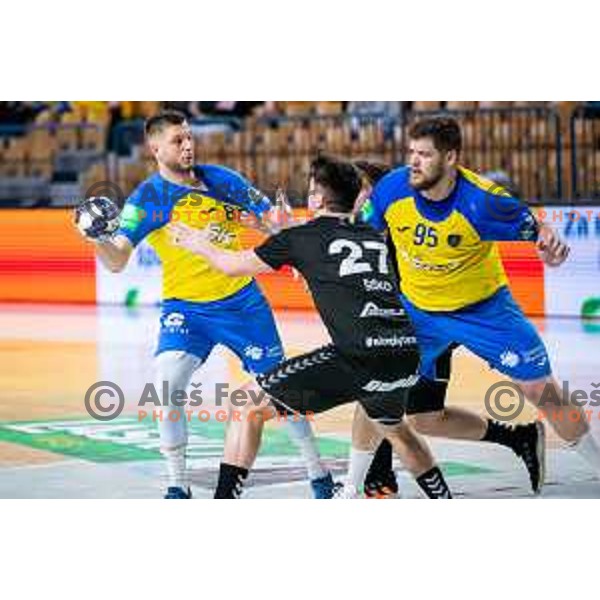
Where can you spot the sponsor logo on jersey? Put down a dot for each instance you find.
(367, 211)
(392, 342)
(390, 386)
(221, 235)
(420, 265)
(372, 310)
(274, 351)
(175, 323)
(537, 355)
(377, 285)
(174, 320)
(131, 217)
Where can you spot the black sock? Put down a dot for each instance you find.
(231, 481)
(434, 485)
(499, 433)
(381, 464)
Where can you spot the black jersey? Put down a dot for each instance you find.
(349, 273)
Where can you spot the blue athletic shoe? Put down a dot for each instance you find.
(323, 487)
(177, 493)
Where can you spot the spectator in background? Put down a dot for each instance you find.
(19, 113)
(393, 110)
(391, 113)
(591, 109)
(230, 108)
(188, 107)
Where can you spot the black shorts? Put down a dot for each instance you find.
(430, 396)
(326, 378)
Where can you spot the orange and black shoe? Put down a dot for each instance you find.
(382, 490)
(381, 482)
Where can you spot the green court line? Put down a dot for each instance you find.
(276, 442)
(79, 446)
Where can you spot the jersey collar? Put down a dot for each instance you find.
(441, 209)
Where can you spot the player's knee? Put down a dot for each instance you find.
(427, 423)
(250, 411)
(535, 390)
(175, 368)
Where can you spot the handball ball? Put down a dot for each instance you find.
(97, 217)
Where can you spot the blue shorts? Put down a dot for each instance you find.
(243, 323)
(495, 329)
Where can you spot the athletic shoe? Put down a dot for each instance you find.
(378, 490)
(380, 481)
(178, 493)
(322, 487)
(530, 447)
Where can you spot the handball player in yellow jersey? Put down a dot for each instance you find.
(201, 306)
(444, 221)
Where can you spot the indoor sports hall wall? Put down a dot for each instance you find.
(43, 259)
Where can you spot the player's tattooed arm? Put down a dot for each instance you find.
(231, 262)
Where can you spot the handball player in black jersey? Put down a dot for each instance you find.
(373, 357)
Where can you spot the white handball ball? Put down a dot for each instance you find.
(97, 217)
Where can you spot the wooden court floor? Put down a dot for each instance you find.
(50, 355)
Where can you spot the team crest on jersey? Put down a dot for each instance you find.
(454, 240)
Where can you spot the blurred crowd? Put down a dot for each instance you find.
(107, 112)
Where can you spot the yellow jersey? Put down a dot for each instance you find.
(157, 202)
(446, 251)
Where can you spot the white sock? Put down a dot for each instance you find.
(360, 461)
(176, 467)
(303, 437)
(589, 450)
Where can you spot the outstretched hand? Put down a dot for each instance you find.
(281, 215)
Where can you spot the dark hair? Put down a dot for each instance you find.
(372, 170)
(340, 178)
(162, 119)
(444, 132)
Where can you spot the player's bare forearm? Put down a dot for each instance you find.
(114, 253)
(234, 263)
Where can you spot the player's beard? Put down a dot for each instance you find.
(182, 166)
(426, 183)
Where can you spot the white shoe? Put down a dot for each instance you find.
(345, 491)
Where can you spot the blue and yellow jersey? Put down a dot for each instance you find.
(156, 202)
(446, 251)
